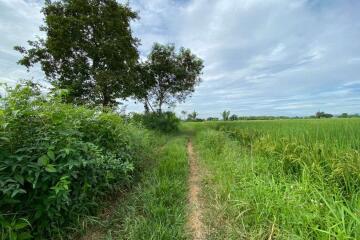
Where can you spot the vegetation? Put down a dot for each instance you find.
(289, 179)
(323, 115)
(165, 122)
(58, 161)
(192, 116)
(88, 50)
(64, 152)
(157, 207)
(212, 119)
(171, 77)
(233, 117)
(225, 115)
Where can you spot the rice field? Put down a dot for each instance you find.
(281, 179)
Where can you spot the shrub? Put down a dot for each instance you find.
(57, 160)
(165, 122)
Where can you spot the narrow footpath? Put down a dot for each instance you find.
(195, 224)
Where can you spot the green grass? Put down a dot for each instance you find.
(156, 207)
(284, 179)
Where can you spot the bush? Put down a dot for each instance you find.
(165, 122)
(57, 160)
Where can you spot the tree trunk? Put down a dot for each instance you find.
(146, 107)
(106, 100)
(160, 104)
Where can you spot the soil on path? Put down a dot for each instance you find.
(194, 221)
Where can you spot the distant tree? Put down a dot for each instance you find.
(233, 117)
(192, 116)
(225, 115)
(344, 115)
(88, 49)
(174, 74)
(212, 119)
(318, 114)
(323, 115)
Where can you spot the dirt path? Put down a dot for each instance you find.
(194, 221)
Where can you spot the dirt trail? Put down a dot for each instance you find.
(194, 221)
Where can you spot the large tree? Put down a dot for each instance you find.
(171, 76)
(89, 49)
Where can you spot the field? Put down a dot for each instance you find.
(282, 179)
(70, 172)
(279, 179)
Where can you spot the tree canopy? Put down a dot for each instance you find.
(171, 76)
(225, 115)
(89, 49)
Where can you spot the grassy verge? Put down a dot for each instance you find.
(156, 207)
(253, 196)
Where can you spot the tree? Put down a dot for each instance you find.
(344, 115)
(212, 119)
(323, 115)
(233, 117)
(144, 82)
(89, 49)
(225, 115)
(192, 116)
(173, 75)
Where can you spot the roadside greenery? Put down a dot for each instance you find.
(58, 161)
(157, 207)
(165, 122)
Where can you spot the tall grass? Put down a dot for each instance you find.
(156, 208)
(285, 179)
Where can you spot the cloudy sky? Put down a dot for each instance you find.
(273, 57)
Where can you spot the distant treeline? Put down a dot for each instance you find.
(225, 116)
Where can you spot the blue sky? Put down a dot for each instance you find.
(273, 57)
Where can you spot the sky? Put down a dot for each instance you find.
(273, 57)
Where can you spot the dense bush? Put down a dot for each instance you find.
(164, 122)
(57, 160)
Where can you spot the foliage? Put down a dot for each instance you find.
(212, 119)
(225, 115)
(347, 115)
(171, 76)
(233, 117)
(89, 49)
(166, 122)
(57, 160)
(323, 115)
(192, 116)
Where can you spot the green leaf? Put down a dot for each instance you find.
(5, 139)
(51, 155)
(50, 168)
(43, 160)
(21, 225)
(16, 191)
